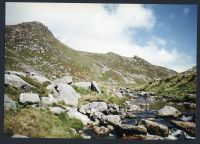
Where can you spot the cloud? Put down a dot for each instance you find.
(186, 11)
(102, 29)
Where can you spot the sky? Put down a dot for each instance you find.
(164, 35)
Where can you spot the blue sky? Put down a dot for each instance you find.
(164, 35)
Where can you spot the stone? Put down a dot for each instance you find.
(9, 103)
(169, 111)
(101, 130)
(189, 127)
(29, 98)
(56, 110)
(15, 81)
(129, 130)
(65, 93)
(155, 128)
(93, 107)
(73, 113)
(64, 80)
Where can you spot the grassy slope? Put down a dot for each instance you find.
(31, 46)
(177, 87)
(40, 124)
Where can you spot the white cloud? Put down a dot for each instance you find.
(90, 27)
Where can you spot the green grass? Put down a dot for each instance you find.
(81, 90)
(40, 124)
(176, 88)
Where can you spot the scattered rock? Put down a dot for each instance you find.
(189, 127)
(29, 98)
(155, 128)
(9, 103)
(56, 110)
(93, 107)
(169, 111)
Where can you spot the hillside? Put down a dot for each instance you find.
(32, 47)
(180, 87)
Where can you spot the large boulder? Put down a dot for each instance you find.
(15, 81)
(56, 110)
(93, 107)
(129, 130)
(64, 80)
(155, 128)
(65, 93)
(102, 131)
(169, 111)
(29, 98)
(9, 103)
(73, 113)
(189, 127)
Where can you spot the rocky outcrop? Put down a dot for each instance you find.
(155, 128)
(29, 98)
(15, 73)
(93, 107)
(169, 111)
(65, 93)
(15, 81)
(73, 113)
(189, 127)
(9, 103)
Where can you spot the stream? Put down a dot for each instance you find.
(188, 114)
